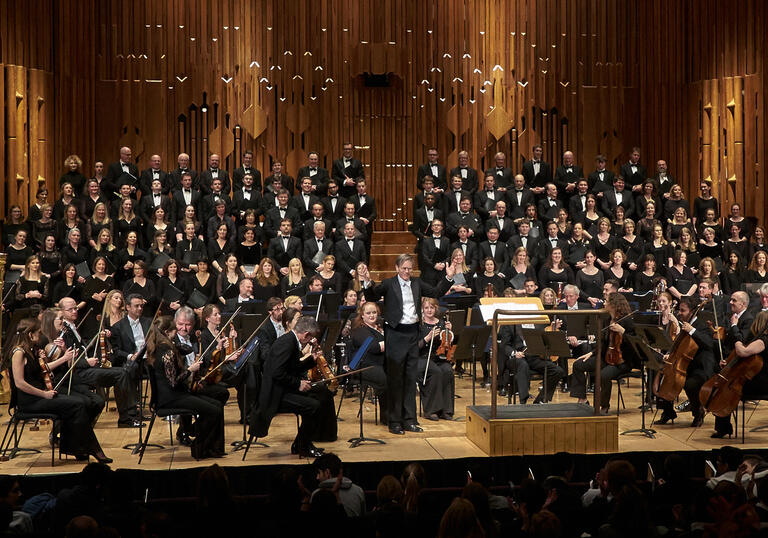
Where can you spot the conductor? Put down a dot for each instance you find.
(402, 300)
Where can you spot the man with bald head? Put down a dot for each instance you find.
(214, 172)
(468, 175)
(183, 168)
(503, 175)
(152, 173)
(567, 175)
(122, 171)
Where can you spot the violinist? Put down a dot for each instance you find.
(738, 326)
(284, 389)
(171, 374)
(215, 352)
(34, 392)
(620, 325)
(367, 323)
(438, 392)
(700, 368)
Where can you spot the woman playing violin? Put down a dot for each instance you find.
(438, 391)
(614, 344)
(35, 392)
(212, 319)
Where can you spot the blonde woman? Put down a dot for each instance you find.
(295, 282)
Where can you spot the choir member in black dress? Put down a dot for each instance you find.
(368, 324)
(578, 244)
(158, 221)
(619, 308)
(36, 210)
(67, 198)
(591, 216)
(757, 271)
(229, 279)
(649, 195)
(603, 243)
(675, 201)
(128, 256)
(18, 252)
(172, 279)
(333, 280)
(519, 263)
(555, 273)
(159, 247)
(72, 174)
(295, 282)
(660, 249)
(463, 278)
(171, 375)
(736, 242)
(590, 280)
(189, 216)
(758, 241)
(249, 251)
(50, 258)
(266, 283)
(69, 286)
(15, 223)
(438, 391)
(34, 393)
(680, 278)
(646, 279)
(250, 222)
(106, 250)
(739, 220)
(489, 277)
(98, 221)
(141, 284)
(69, 221)
(711, 246)
(732, 276)
(127, 222)
(219, 247)
(645, 225)
(704, 202)
(74, 252)
(708, 269)
(203, 281)
(618, 272)
(32, 285)
(631, 244)
(45, 225)
(190, 249)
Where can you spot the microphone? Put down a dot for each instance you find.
(54, 348)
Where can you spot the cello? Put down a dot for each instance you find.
(722, 392)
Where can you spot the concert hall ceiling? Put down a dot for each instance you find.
(683, 80)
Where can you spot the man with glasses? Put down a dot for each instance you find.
(273, 328)
(128, 341)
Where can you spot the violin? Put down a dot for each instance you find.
(321, 371)
(104, 362)
(446, 348)
(48, 378)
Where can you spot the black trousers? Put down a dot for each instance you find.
(209, 426)
(77, 435)
(437, 393)
(518, 370)
(402, 351)
(124, 379)
(218, 393)
(607, 375)
(308, 408)
(552, 374)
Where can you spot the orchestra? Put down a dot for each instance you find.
(170, 278)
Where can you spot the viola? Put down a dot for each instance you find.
(613, 354)
(446, 348)
(321, 371)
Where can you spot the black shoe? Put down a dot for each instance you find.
(397, 429)
(723, 433)
(101, 458)
(698, 419)
(81, 457)
(415, 428)
(183, 438)
(53, 440)
(310, 452)
(502, 392)
(433, 416)
(666, 417)
(129, 424)
(445, 416)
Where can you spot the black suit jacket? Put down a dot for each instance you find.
(469, 183)
(547, 211)
(332, 214)
(240, 205)
(281, 255)
(596, 185)
(545, 247)
(267, 336)
(208, 205)
(501, 257)
(536, 180)
(206, 181)
(506, 228)
(517, 210)
(471, 254)
(297, 202)
(627, 201)
(147, 206)
(390, 291)
(440, 182)
(147, 177)
(421, 223)
(175, 178)
(272, 221)
(632, 179)
(115, 174)
(429, 255)
(564, 175)
(179, 205)
(483, 204)
(367, 211)
(359, 226)
(308, 228)
(418, 200)
(574, 206)
(237, 178)
(470, 220)
(285, 180)
(449, 201)
(347, 259)
(320, 180)
(531, 246)
(353, 171)
(122, 339)
(310, 251)
(505, 177)
(663, 188)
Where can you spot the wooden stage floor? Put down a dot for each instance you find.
(440, 440)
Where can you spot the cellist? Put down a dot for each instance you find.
(738, 334)
(699, 369)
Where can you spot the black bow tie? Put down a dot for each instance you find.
(492, 244)
(313, 169)
(188, 191)
(334, 197)
(536, 162)
(247, 190)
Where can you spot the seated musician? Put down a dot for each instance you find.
(273, 328)
(627, 360)
(34, 393)
(367, 323)
(438, 392)
(511, 362)
(737, 336)
(700, 368)
(171, 375)
(214, 353)
(284, 389)
(579, 344)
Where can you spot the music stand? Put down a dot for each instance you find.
(546, 344)
(655, 337)
(253, 346)
(458, 301)
(353, 364)
(472, 338)
(647, 355)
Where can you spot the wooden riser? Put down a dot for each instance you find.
(542, 434)
(393, 237)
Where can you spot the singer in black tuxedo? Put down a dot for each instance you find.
(402, 312)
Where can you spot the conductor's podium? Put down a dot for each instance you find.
(521, 430)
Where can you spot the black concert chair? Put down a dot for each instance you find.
(162, 412)
(13, 433)
(621, 380)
